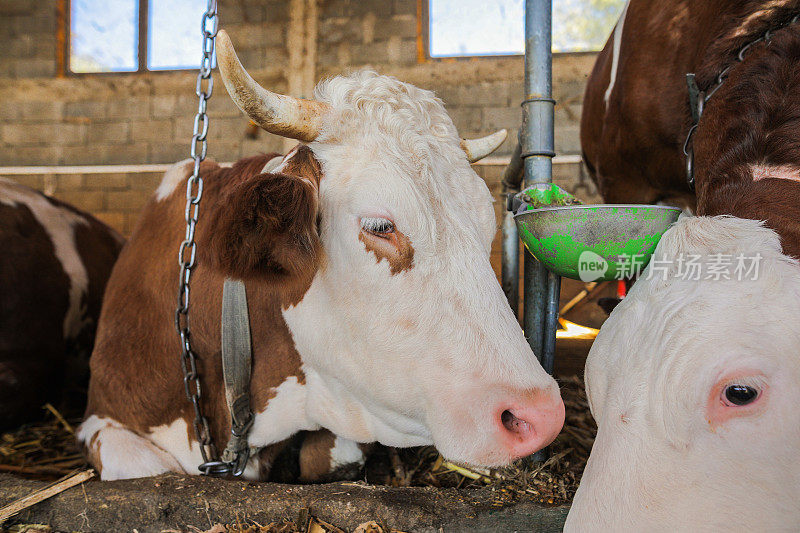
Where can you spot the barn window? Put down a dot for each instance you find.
(481, 28)
(134, 35)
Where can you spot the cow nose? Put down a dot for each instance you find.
(532, 425)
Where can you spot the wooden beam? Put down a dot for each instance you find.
(42, 494)
(62, 20)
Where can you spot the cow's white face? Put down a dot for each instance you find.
(405, 333)
(694, 386)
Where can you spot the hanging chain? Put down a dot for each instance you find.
(698, 98)
(187, 253)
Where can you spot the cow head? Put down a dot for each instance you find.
(693, 383)
(405, 334)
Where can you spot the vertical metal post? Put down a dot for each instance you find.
(512, 178)
(541, 289)
(144, 22)
(510, 267)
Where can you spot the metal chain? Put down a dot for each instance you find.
(187, 252)
(698, 99)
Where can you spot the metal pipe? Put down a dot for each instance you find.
(541, 288)
(551, 322)
(512, 178)
(537, 144)
(510, 262)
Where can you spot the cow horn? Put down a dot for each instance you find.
(477, 149)
(279, 114)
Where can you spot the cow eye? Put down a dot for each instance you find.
(377, 226)
(740, 394)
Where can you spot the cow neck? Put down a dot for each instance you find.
(699, 98)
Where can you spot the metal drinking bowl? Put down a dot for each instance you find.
(595, 242)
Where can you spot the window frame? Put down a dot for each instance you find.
(143, 24)
(423, 38)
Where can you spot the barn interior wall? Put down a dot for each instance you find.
(47, 118)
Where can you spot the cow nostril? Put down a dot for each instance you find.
(514, 424)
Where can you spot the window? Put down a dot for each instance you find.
(497, 27)
(134, 35)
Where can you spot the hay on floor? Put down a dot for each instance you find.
(47, 450)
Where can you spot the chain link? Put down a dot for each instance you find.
(766, 37)
(187, 252)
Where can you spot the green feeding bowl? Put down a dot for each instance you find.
(594, 242)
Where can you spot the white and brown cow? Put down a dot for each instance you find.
(694, 387)
(693, 378)
(54, 265)
(375, 312)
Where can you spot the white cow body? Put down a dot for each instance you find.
(672, 452)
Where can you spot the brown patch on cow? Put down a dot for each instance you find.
(304, 165)
(37, 364)
(94, 457)
(316, 463)
(632, 147)
(315, 455)
(395, 247)
(754, 123)
(136, 332)
(743, 25)
(266, 458)
(35, 292)
(91, 451)
(265, 225)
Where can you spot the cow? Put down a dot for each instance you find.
(636, 114)
(54, 266)
(693, 384)
(691, 379)
(375, 313)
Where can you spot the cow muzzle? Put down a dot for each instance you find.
(496, 429)
(528, 425)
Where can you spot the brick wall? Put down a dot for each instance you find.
(146, 118)
(28, 29)
(286, 45)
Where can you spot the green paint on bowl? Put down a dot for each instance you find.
(546, 195)
(595, 242)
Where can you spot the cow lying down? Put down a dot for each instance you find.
(694, 386)
(374, 310)
(54, 265)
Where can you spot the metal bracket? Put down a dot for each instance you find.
(538, 99)
(697, 101)
(694, 95)
(237, 355)
(543, 153)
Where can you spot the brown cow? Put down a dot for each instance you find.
(374, 310)
(54, 266)
(636, 112)
(693, 378)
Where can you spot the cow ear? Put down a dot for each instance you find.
(265, 226)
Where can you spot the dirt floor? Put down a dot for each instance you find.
(191, 503)
(404, 490)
